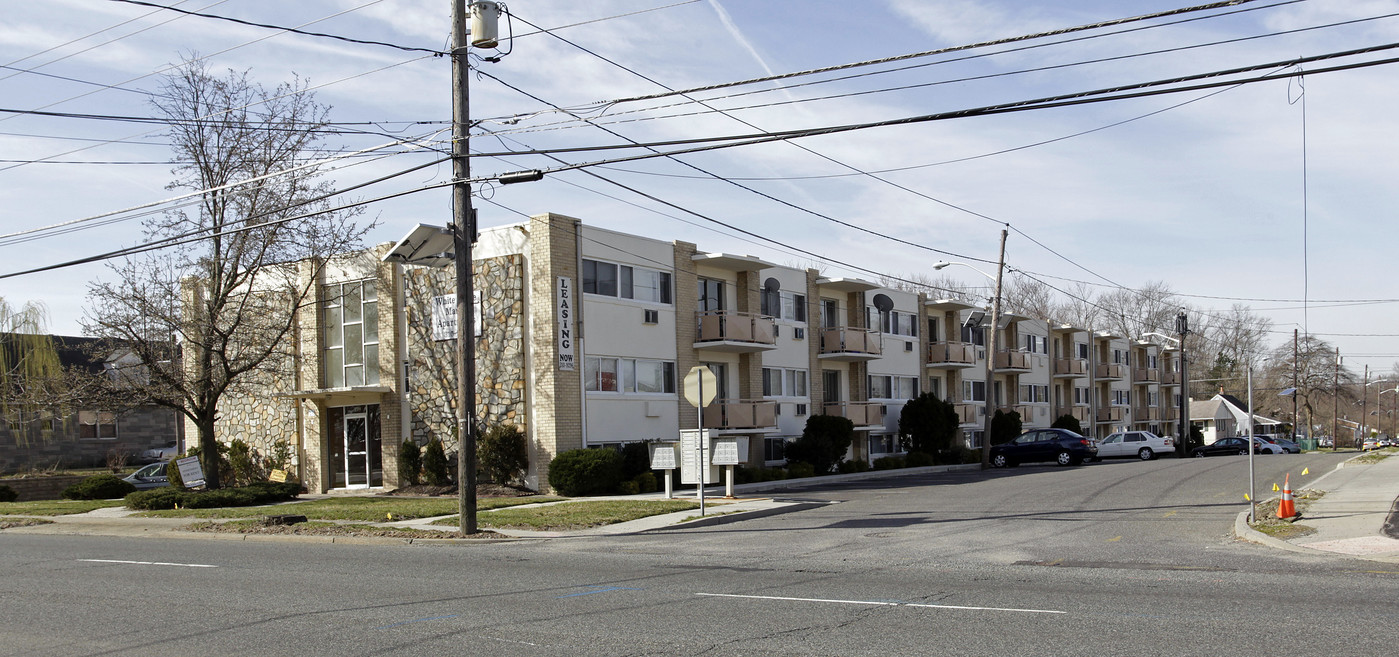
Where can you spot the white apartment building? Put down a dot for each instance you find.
(584, 334)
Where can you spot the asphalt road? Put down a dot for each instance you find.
(1116, 558)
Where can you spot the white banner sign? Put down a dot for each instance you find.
(444, 316)
(564, 301)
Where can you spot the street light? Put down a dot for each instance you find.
(1183, 422)
(990, 345)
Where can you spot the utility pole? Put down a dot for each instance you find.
(1335, 397)
(991, 400)
(464, 235)
(1295, 391)
(1365, 405)
(1183, 328)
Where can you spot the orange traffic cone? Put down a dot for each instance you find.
(1287, 509)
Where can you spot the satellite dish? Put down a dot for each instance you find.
(974, 319)
(883, 303)
(771, 285)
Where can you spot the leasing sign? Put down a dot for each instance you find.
(564, 304)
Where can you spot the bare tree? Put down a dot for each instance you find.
(205, 318)
(1321, 385)
(1080, 308)
(1130, 313)
(1026, 296)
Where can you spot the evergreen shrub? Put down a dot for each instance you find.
(410, 463)
(435, 464)
(581, 472)
(98, 487)
(502, 453)
(7, 494)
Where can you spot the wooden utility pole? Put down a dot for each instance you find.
(464, 233)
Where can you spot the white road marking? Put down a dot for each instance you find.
(882, 603)
(151, 563)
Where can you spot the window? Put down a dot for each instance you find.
(711, 295)
(935, 386)
(784, 305)
(975, 335)
(779, 382)
(1082, 349)
(351, 335)
(882, 444)
(1122, 398)
(97, 425)
(626, 282)
(1081, 395)
(974, 391)
(774, 449)
(628, 375)
(893, 322)
(1152, 398)
(1036, 344)
(830, 313)
(1034, 394)
(974, 439)
(932, 329)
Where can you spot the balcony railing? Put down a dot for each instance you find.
(1146, 414)
(1070, 367)
(1146, 375)
(849, 343)
(740, 414)
(1013, 360)
(1112, 414)
(726, 330)
(1027, 412)
(967, 413)
(1081, 413)
(1111, 371)
(861, 414)
(1170, 378)
(1170, 414)
(951, 354)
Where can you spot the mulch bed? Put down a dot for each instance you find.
(23, 522)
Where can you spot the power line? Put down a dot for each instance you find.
(291, 29)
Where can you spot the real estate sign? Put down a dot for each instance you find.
(564, 303)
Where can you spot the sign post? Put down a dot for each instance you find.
(700, 388)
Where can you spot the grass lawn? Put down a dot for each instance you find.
(54, 507)
(362, 509)
(576, 515)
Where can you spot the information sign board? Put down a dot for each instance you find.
(191, 473)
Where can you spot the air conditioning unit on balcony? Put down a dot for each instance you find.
(908, 346)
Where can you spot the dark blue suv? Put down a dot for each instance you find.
(1060, 445)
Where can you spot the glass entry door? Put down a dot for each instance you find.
(356, 450)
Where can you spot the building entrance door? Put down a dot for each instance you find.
(356, 457)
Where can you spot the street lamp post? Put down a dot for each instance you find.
(990, 346)
(1182, 422)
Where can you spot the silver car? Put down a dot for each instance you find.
(148, 477)
(1135, 444)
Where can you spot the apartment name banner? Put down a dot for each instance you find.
(444, 316)
(563, 304)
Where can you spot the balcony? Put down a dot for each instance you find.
(1112, 414)
(968, 413)
(740, 414)
(1170, 378)
(1080, 412)
(1146, 414)
(861, 414)
(847, 343)
(951, 355)
(1169, 414)
(1146, 375)
(1111, 372)
(1026, 411)
(1070, 368)
(735, 332)
(1012, 361)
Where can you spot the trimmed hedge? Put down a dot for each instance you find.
(99, 487)
(586, 472)
(250, 495)
(7, 494)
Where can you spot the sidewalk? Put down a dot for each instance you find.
(1349, 519)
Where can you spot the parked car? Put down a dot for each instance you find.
(1287, 446)
(149, 476)
(163, 453)
(1060, 445)
(1135, 444)
(1235, 445)
(1369, 444)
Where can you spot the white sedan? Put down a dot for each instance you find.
(1139, 444)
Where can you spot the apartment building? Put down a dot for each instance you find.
(584, 334)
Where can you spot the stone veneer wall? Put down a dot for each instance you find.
(500, 363)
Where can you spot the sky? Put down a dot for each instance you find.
(1278, 195)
